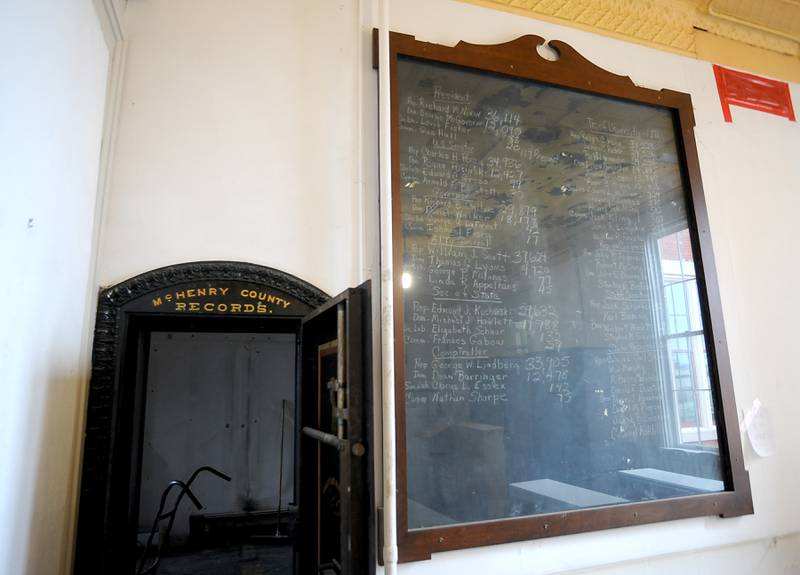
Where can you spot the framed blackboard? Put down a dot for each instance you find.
(560, 354)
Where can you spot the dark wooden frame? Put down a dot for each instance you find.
(519, 58)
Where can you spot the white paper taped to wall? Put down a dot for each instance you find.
(757, 424)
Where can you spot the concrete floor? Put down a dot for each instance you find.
(245, 559)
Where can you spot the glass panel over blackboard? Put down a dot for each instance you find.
(554, 347)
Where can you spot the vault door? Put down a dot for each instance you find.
(335, 456)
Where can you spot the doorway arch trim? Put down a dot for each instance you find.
(106, 425)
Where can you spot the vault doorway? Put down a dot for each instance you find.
(217, 439)
(219, 406)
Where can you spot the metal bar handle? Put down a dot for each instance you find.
(326, 438)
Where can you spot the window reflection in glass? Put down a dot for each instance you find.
(689, 382)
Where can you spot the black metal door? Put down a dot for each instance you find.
(335, 456)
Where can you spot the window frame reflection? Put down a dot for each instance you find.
(686, 379)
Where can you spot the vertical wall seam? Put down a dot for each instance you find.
(361, 233)
(114, 84)
(387, 302)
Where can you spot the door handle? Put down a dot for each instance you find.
(326, 438)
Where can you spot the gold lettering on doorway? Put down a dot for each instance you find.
(265, 296)
(220, 299)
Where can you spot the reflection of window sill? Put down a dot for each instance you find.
(563, 495)
(694, 449)
(690, 434)
(690, 483)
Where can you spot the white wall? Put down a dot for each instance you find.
(53, 63)
(237, 139)
(761, 557)
(242, 134)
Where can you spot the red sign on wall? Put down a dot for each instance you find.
(754, 92)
